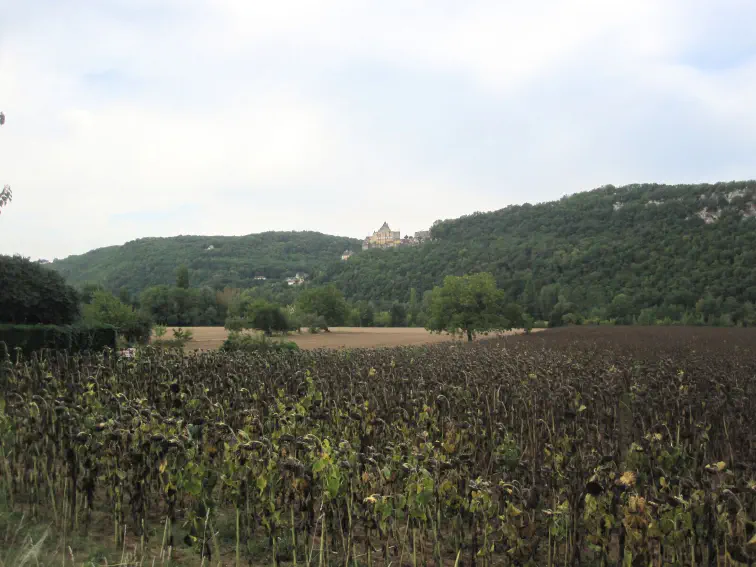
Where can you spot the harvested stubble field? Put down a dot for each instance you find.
(211, 338)
(605, 446)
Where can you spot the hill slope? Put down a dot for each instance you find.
(232, 261)
(661, 246)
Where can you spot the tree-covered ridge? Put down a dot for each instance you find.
(660, 247)
(215, 261)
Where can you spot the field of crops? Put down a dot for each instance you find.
(602, 446)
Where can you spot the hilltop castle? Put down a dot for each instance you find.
(384, 237)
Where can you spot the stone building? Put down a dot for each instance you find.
(384, 237)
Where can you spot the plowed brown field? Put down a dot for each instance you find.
(210, 338)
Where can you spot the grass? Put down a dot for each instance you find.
(27, 542)
(37, 542)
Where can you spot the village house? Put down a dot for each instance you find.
(298, 279)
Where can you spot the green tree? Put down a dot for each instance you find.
(414, 309)
(87, 291)
(749, 314)
(382, 319)
(327, 302)
(647, 317)
(266, 317)
(513, 315)
(367, 314)
(467, 304)
(621, 309)
(124, 295)
(398, 314)
(32, 294)
(106, 309)
(175, 306)
(182, 277)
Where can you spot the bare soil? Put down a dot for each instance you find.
(210, 338)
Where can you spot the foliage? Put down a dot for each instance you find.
(468, 305)
(366, 314)
(249, 311)
(398, 313)
(314, 323)
(176, 306)
(182, 277)
(185, 335)
(87, 291)
(266, 317)
(106, 309)
(382, 319)
(662, 247)
(233, 261)
(31, 294)
(588, 446)
(235, 323)
(181, 337)
(326, 302)
(72, 338)
(6, 196)
(242, 342)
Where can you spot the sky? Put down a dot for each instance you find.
(135, 118)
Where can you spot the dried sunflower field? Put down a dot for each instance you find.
(620, 446)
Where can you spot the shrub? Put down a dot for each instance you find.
(239, 342)
(234, 323)
(382, 319)
(180, 338)
(73, 338)
(138, 329)
(314, 323)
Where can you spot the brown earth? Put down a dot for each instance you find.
(210, 338)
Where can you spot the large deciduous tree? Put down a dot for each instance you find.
(468, 305)
(104, 308)
(266, 317)
(327, 302)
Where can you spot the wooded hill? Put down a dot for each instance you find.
(669, 251)
(611, 252)
(214, 261)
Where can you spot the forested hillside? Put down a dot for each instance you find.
(637, 253)
(214, 261)
(608, 253)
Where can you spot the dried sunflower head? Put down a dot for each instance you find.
(627, 479)
(637, 504)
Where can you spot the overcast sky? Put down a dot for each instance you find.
(134, 118)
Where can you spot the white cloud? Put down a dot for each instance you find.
(230, 117)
